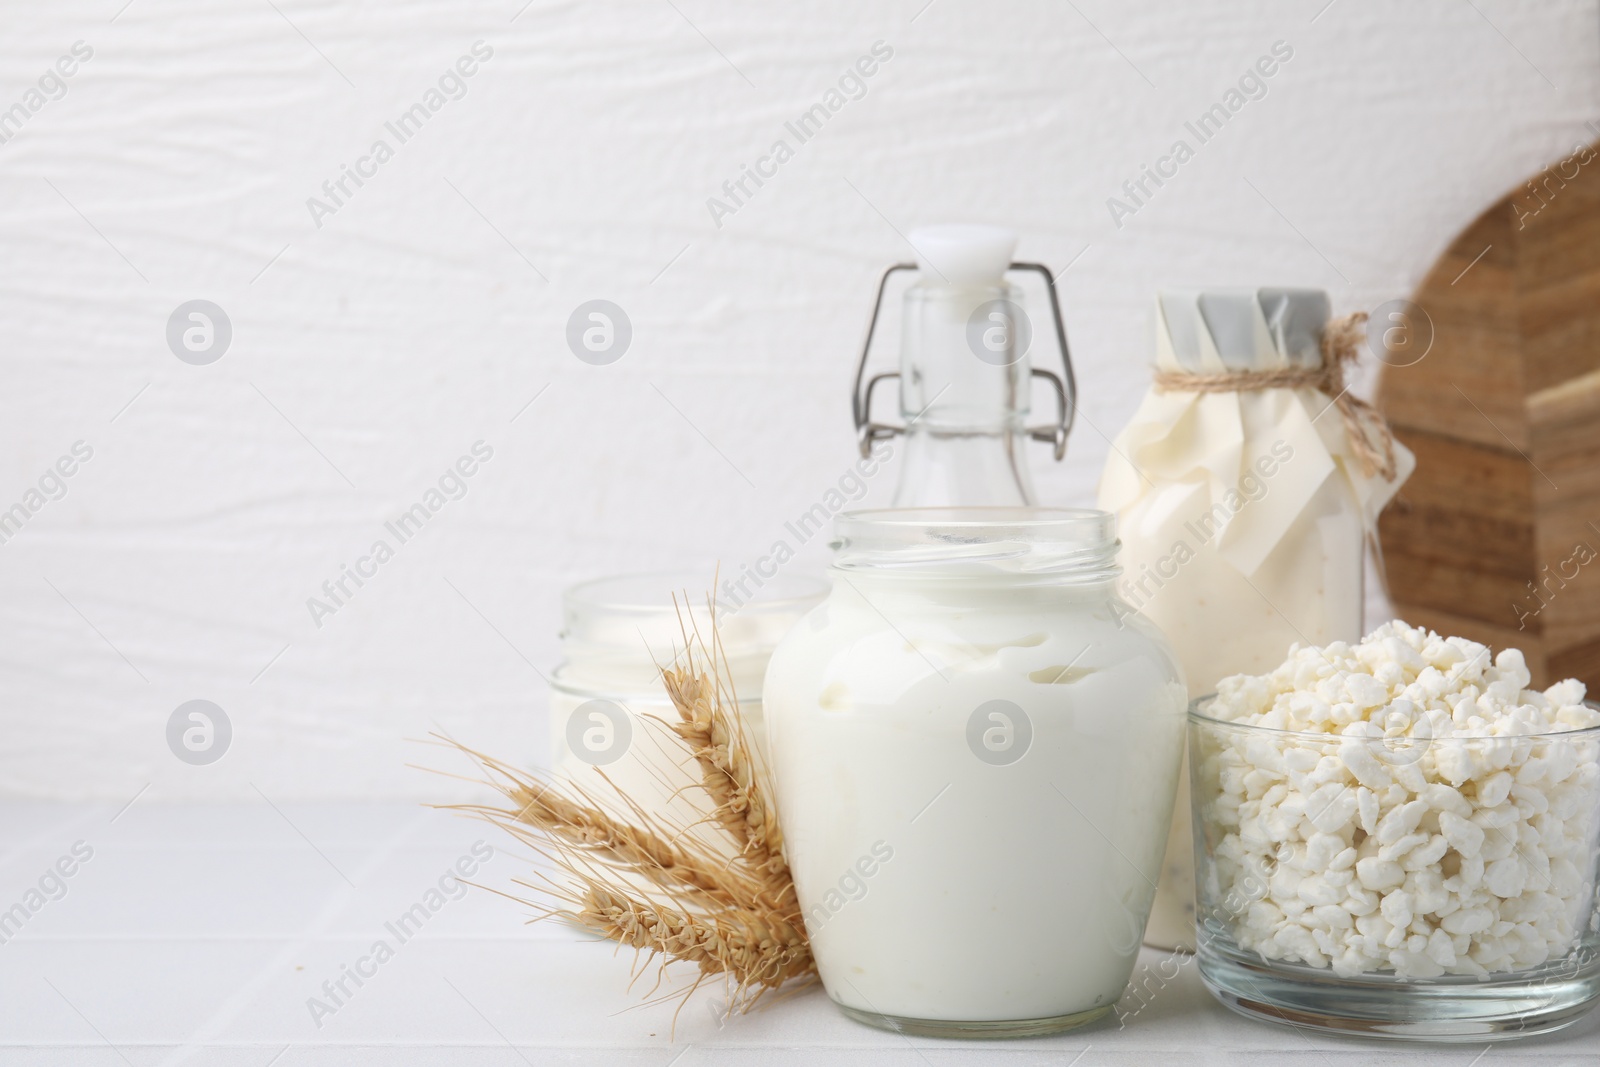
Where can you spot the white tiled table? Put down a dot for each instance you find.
(197, 934)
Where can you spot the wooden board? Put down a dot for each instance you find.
(1497, 535)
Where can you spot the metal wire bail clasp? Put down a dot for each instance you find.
(1064, 386)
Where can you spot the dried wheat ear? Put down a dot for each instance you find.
(716, 893)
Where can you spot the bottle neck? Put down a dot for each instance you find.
(950, 468)
(964, 387)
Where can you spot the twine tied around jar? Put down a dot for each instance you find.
(1368, 431)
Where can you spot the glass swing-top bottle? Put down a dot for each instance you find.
(965, 373)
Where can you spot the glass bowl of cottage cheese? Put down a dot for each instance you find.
(1398, 837)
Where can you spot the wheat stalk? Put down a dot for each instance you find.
(541, 815)
(716, 893)
(761, 953)
(710, 724)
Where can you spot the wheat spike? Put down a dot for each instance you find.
(754, 952)
(709, 724)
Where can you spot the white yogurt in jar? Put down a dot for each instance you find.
(974, 757)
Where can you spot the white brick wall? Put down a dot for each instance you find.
(371, 352)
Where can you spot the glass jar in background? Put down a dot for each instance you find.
(974, 745)
(1244, 515)
(616, 635)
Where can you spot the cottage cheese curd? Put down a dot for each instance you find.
(1401, 805)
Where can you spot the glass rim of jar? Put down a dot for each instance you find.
(1012, 543)
(561, 681)
(643, 588)
(1198, 717)
(624, 613)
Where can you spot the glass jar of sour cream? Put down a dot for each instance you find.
(974, 746)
